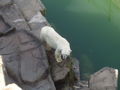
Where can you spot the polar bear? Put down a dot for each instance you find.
(57, 42)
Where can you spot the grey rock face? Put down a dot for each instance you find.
(5, 2)
(59, 71)
(84, 89)
(23, 54)
(25, 61)
(105, 79)
(76, 68)
(14, 17)
(64, 74)
(29, 8)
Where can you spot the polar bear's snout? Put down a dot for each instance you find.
(64, 57)
(65, 54)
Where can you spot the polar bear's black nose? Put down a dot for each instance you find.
(68, 57)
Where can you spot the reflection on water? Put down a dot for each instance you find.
(86, 65)
(116, 2)
(92, 27)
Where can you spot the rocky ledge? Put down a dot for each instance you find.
(28, 64)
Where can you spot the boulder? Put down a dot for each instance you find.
(84, 89)
(14, 17)
(59, 71)
(30, 8)
(5, 2)
(105, 79)
(25, 61)
(24, 55)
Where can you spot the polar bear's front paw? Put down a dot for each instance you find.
(58, 56)
(59, 60)
(65, 53)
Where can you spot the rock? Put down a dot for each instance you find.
(25, 61)
(4, 27)
(105, 79)
(5, 2)
(76, 68)
(83, 84)
(23, 54)
(85, 89)
(63, 73)
(31, 12)
(37, 21)
(42, 7)
(59, 71)
(29, 8)
(14, 17)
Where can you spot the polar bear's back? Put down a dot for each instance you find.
(49, 35)
(48, 31)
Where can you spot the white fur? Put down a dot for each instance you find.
(55, 41)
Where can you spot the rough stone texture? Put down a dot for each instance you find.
(35, 26)
(5, 2)
(84, 89)
(14, 17)
(23, 54)
(20, 14)
(105, 79)
(29, 7)
(4, 27)
(42, 7)
(58, 70)
(25, 61)
(76, 68)
(30, 10)
(65, 73)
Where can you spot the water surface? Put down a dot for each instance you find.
(93, 29)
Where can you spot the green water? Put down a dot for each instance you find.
(93, 29)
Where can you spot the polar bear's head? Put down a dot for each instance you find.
(65, 53)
